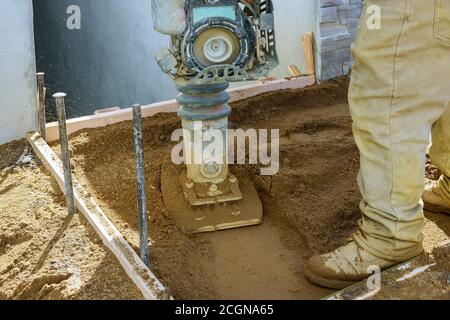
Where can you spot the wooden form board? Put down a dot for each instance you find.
(241, 93)
(150, 287)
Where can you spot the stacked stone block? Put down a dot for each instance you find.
(339, 20)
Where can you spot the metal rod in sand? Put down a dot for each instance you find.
(140, 178)
(65, 153)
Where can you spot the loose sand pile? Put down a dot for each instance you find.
(310, 207)
(44, 254)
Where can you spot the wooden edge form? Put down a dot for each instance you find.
(108, 118)
(253, 90)
(240, 93)
(150, 287)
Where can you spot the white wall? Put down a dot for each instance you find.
(17, 70)
(293, 18)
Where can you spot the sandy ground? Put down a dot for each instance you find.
(310, 207)
(44, 254)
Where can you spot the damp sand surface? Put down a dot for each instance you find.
(311, 206)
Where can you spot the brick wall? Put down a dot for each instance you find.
(339, 21)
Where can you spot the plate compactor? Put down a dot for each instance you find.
(213, 43)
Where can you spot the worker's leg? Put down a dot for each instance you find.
(399, 88)
(437, 193)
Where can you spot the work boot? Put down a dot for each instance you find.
(434, 199)
(344, 267)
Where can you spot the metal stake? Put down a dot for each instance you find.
(64, 141)
(41, 104)
(140, 178)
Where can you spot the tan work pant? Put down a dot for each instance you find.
(399, 93)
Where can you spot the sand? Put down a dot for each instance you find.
(44, 254)
(310, 207)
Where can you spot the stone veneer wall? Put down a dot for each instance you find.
(338, 23)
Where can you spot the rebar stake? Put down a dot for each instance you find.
(41, 104)
(140, 178)
(65, 153)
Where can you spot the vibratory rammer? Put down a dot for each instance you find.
(213, 43)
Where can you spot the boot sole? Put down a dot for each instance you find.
(436, 209)
(328, 283)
